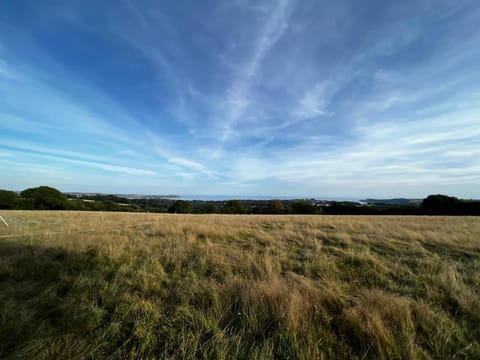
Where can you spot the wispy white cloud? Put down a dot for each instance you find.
(73, 119)
(239, 96)
(397, 153)
(142, 19)
(77, 158)
(313, 103)
(110, 167)
(7, 72)
(190, 164)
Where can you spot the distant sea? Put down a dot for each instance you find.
(253, 197)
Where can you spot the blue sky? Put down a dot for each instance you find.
(278, 98)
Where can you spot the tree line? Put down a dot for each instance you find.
(48, 198)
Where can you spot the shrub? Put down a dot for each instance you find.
(45, 198)
(8, 199)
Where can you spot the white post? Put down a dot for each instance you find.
(1, 218)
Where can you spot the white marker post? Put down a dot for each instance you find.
(3, 220)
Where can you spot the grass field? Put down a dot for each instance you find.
(80, 285)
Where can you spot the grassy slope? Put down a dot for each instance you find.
(86, 285)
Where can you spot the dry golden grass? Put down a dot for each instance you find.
(129, 285)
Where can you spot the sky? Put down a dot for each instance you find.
(371, 98)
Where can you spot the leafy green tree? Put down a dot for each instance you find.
(180, 206)
(8, 199)
(45, 198)
(109, 205)
(303, 207)
(76, 204)
(441, 204)
(208, 209)
(234, 207)
(275, 206)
